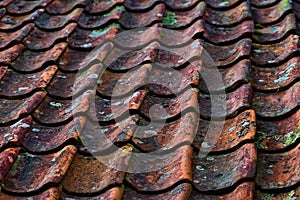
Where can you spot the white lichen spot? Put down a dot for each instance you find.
(281, 79)
(22, 89)
(231, 128)
(261, 81)
(36, 130)
(199, 168)
(93, 76)
(205, 145)
(151, 132)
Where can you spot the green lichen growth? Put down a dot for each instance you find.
(121, 8)
(55, 104)
(266, 197)
(100, 32)
(259, 26)
(285, 4)
(289, 196)
(260, 137)
(169, 19)
(258, 32)
(289, 138)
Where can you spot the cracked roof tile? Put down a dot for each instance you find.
(107, 110)
(98, 138)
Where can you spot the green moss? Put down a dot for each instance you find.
(259, 26)
(258, 32)
(285, 4)
(169, 19)
(122, 8)
(289, 196)
(100, 32)
(266, 196)
(289, 138)
(260, 137)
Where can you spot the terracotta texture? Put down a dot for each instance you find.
(80, 85)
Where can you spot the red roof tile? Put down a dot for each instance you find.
(78, 123)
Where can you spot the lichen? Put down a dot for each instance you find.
(285, 4)
(290, 195)
(266, 196)
(260, 137)
(55, 104)
(121, 8)
(169, 19)
(289, 138)
(100, 32)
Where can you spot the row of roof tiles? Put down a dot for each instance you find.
(201, 178)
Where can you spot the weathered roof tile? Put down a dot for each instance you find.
(14, 109)
(11, 22)
(222, 171)
(49, 22)
(7, 158)
(40, 40)
(31, 60)
(31, 172)
(278, 170)
(233, 132)
(22, 84)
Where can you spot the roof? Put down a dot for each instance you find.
(49, 141)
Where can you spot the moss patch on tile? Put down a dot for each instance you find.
(120, 8)
(169, 19)
(100, 32)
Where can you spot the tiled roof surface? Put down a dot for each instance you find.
(43, 153)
